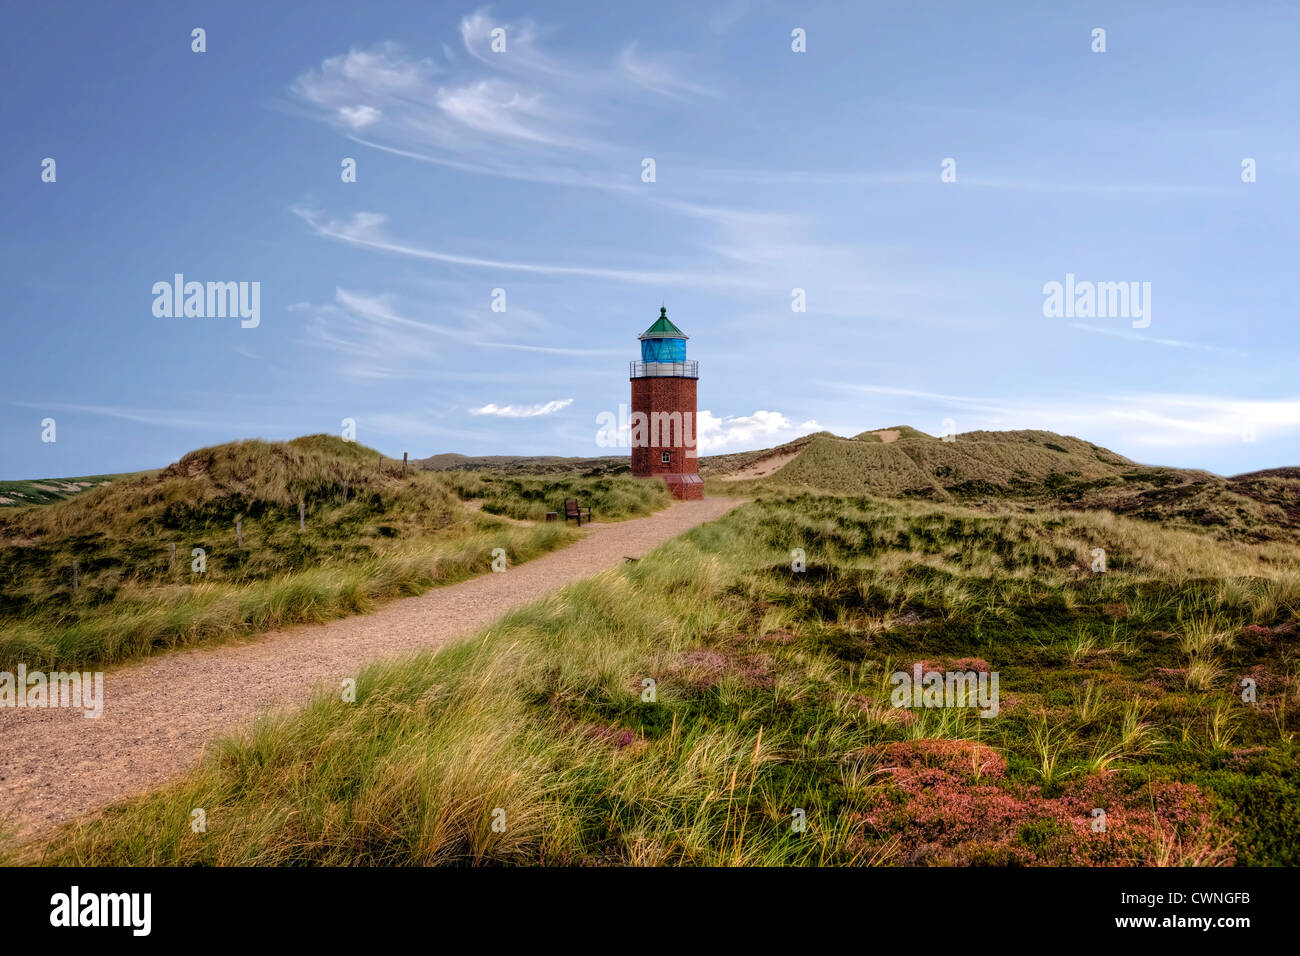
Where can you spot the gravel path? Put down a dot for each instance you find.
(56, 764)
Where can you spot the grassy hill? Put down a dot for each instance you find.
(1025, 469)
(1020, 469)
(719, 465)
(528, 464)
(893, 433)
(42, 491)
(913, 464)
(113, 572)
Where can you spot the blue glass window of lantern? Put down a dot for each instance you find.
(663, 350)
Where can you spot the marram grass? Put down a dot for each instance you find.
(143, 620)
(772, 738)
(114, 573)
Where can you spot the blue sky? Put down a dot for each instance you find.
(522, 170)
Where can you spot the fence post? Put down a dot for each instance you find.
(302, 521)
(404, 463)
(239, 531)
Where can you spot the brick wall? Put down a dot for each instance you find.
(674, 399)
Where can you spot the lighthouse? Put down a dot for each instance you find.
(663, 417)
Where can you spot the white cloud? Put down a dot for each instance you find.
(522, 411)
(1166, 420)
(762, 429)
(401, 100)
(358, 117)
(1140, 420)
(499, 110)
(381, 73)
(521, 54)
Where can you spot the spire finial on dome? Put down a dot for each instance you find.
(662, 328)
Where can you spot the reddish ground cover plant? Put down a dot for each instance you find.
(1266, 681)
(953, 801)
(703, 669)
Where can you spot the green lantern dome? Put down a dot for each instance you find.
(663, 341)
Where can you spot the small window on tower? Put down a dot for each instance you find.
(666, 457)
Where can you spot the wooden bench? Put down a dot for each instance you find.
(572, 510)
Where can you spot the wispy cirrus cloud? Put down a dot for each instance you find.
(376, 340)
(1153, 339)
(527, 115)
(522, 52)
(381, 337)
(366, 229)
(351, 89)
(661, 74)
(158, 417)
(523, 112)
(551, 349)
(506, 107)
(499, 111)
(754, 248)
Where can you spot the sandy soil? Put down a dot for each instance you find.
(887, 435)
(762, 468)
(160, 712)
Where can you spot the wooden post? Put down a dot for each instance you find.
(76, 577)
(171, 554)
(345, 492)
(302, 521)
(403, 463)
(239, 531)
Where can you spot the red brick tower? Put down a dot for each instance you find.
(663, 417)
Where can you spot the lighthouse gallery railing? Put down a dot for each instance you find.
(663, 369)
